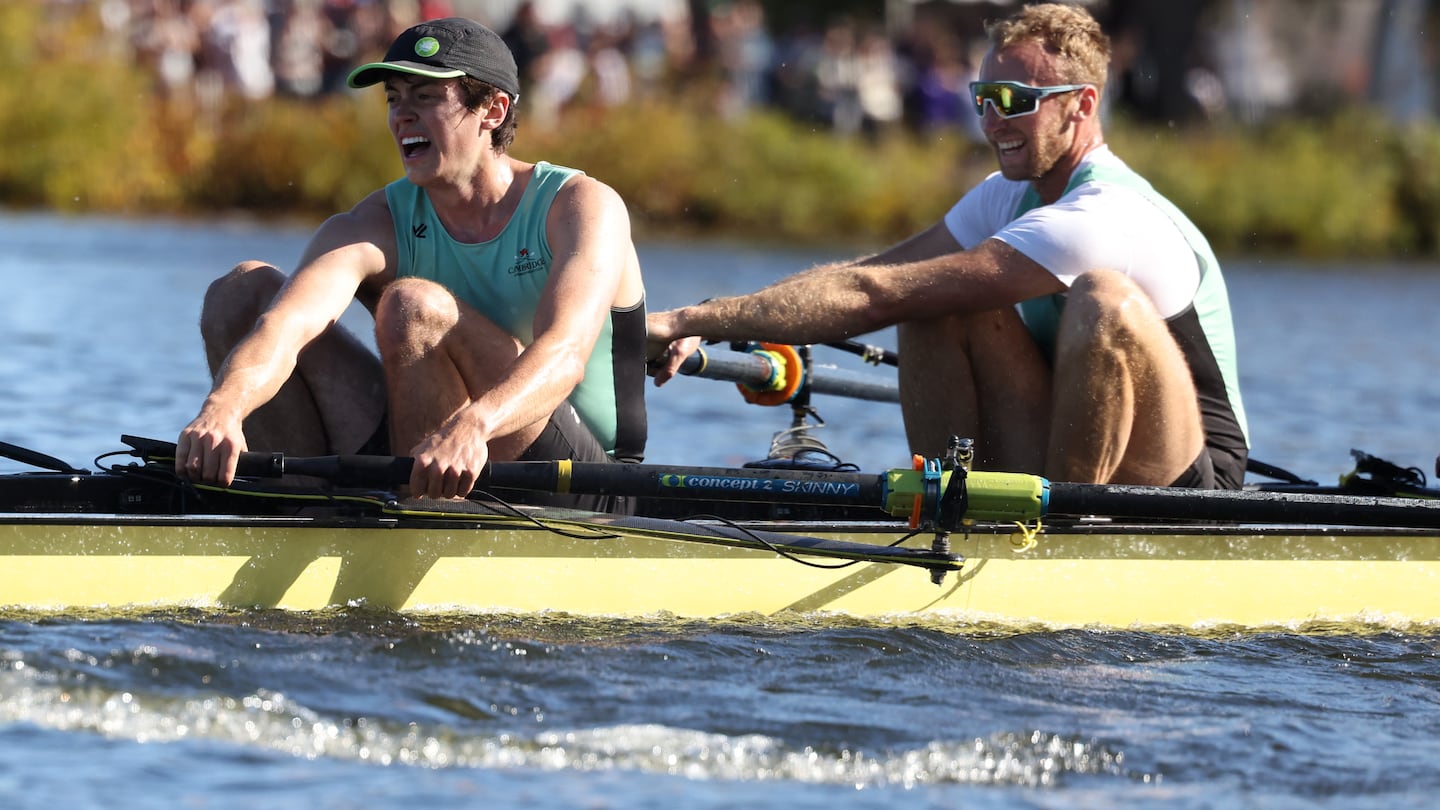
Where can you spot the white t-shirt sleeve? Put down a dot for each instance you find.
(983, 210)
(1096, 226)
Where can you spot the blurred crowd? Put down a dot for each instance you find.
(851, 74)
(907, 65)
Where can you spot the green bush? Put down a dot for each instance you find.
(287, 157)
(1312, 188)
(90, 134)
(73, 137)
(760, 176)
(1416, 153)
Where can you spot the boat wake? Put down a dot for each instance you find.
(275, 723)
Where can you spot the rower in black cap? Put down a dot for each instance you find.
(507, 296)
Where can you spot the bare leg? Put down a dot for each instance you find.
(439, 354)
(335, 398)
(937, 385)
(977, 376)
(1126, 410)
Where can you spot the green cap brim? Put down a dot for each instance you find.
(374, 72)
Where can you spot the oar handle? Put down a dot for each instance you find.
(758, 370)
(738, 367)
(345, 471)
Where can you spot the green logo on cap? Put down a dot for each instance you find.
(427, 46)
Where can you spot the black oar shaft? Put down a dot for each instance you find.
(757, 371)
(37, 459)
(1241, 506)
(992, 496)
(595, 478)
(707, 483)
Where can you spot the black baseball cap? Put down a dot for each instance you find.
(446, 49)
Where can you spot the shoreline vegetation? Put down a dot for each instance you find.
(89, 135)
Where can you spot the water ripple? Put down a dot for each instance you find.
(276, 722)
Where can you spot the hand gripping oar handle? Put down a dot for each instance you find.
(759, 371)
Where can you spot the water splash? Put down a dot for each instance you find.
(274, 722)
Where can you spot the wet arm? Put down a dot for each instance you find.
(589, 235)
(924, 277)
(338, 261)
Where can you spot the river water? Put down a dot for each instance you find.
(351, 709)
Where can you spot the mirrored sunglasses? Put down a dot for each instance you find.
(1010, 99)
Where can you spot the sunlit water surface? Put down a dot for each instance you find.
(356, 709)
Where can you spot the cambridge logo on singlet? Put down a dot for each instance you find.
(526, 263)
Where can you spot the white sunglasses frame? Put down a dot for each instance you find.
(1041, 93)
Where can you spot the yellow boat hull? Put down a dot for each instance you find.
(1085, 576)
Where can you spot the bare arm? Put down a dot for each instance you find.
(593, 265)
(342, 256)
(923, 277)
(589, 234)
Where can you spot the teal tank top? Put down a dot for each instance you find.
(503, 279)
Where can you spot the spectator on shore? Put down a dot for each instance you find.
(236, 48)
(556, 76)
(302, 40)
(744, 50)
(877, 83)
(165, 41)
(526, 38)
(1314, 62)
(609, 67)
(837, 78)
